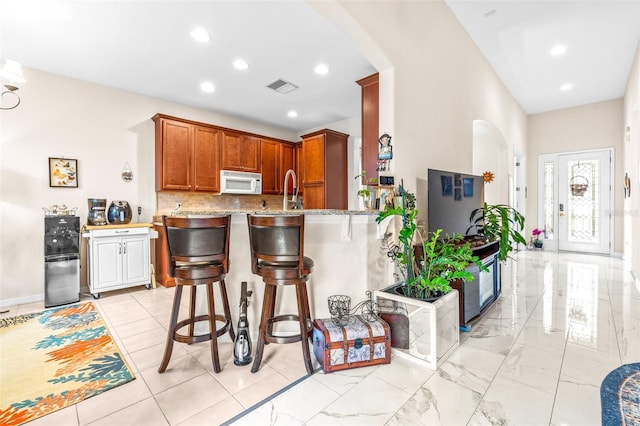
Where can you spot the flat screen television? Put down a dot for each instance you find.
(452, 197)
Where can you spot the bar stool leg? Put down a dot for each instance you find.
(227, 310)
(267, 308)
(172, 329)
(303, 318)
(212, 328)
(192, 308)
(272, 312)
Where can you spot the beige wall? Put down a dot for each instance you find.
(101, 127)
(631, 149)
(441, 84)
(586, 127)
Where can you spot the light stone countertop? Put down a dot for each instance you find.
(321, 212)
(278, 212)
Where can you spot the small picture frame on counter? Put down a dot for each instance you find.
(63, 172)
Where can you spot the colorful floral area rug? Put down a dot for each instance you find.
(56, 358)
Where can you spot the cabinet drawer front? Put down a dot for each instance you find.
(118, 232)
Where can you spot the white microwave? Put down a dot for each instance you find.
(232, 182)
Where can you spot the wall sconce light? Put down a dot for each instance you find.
(11, 71)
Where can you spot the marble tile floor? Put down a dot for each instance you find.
(537, 357)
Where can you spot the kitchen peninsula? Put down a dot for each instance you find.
(344, 244)
(192, 160)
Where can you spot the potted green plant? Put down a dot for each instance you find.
(499, 222)
(365, 192)
(429, 266)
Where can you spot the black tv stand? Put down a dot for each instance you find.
(478, 295)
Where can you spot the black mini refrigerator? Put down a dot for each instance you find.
(61, 260)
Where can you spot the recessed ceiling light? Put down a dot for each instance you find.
(558, 50)
(292, 114)
(201, 35)
(566, 86)
(321, 69)
(207, 87)
(240, 64)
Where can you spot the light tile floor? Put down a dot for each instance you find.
(537, 357)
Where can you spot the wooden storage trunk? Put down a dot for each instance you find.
(358, 343)
(395, 314)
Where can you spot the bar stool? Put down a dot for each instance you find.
(277, 255)
(198, 255)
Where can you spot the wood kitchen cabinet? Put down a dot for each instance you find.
(370, 125)
(325, 170)
(299, 168)
(240, 152)
(270, 151)
(161, 264)
(206, 159)
(286, 162)
(187, 155)
(277, 158)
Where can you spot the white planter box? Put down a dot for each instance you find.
(433, 327)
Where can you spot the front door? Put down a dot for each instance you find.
(575, 201)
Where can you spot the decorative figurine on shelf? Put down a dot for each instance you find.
(385, 151)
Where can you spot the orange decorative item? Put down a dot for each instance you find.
(488, 177)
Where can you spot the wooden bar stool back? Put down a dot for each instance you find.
(198, 255)
(277, 255)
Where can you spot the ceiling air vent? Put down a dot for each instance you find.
(282, 86)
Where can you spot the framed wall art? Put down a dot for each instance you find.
(457, 194)
(63, 172)
(447, 188)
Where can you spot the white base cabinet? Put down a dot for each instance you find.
(118, 257)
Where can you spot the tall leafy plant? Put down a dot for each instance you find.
(441, 259)
(499, 222)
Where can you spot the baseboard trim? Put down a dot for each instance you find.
(22, 300)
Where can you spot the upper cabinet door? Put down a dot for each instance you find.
(206, 159)
(270, 151)
(175, 143)
(299, 167)
(240, 152)
(287, 161)
(314, 159)
(370, 125)
(231, 150)
(250, 153)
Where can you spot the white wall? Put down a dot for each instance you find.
(101, 127)
(441, 84)
(490, 155)
(631, 150)
(592, 126)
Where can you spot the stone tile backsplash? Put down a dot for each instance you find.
(167, 201)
